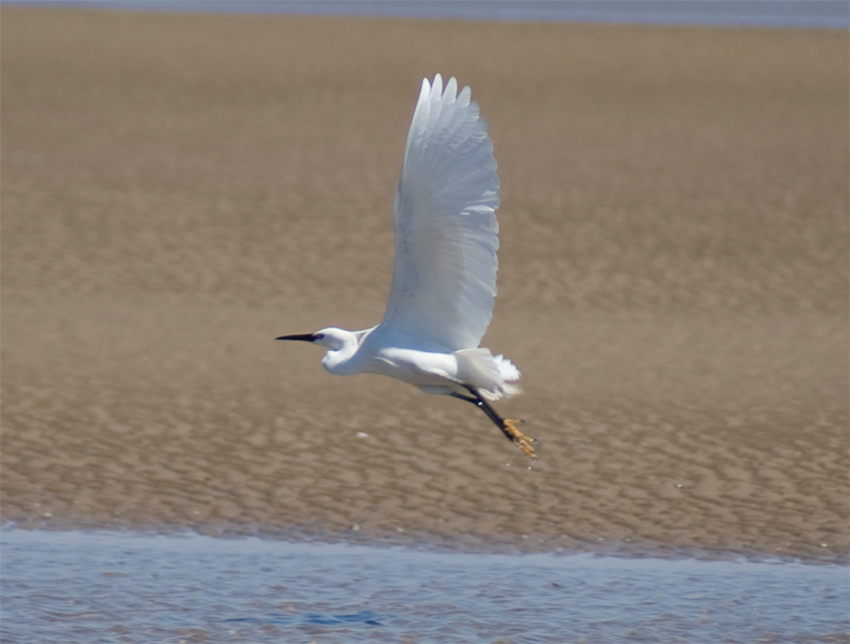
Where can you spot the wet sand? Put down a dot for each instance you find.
(179, 190)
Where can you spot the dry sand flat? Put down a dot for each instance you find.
(179, 190)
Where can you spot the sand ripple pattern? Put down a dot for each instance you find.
(179, 190)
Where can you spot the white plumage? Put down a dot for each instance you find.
(444, 275)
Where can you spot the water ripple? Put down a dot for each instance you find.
(96, 586)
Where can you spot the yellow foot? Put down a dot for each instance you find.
(519, 438)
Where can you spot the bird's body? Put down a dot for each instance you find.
(444, 275)
(434, 371)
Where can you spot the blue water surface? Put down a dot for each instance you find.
(761, 13)
(129, 587)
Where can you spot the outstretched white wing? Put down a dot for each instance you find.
(446, 234)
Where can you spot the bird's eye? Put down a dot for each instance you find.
(318, 336)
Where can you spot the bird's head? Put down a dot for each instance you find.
(332, 338)
(341, 345)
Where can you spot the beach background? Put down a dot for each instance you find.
(178, 190)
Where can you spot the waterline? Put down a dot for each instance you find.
(755, 13)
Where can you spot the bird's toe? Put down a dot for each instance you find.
(523, 441)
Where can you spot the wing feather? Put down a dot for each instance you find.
(444, 275)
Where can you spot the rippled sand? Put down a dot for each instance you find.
(179, 190)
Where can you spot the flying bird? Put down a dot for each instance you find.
(444, 274)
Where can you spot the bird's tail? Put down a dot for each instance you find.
(494, 376)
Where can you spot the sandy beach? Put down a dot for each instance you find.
(178, 190)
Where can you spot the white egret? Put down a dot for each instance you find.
(444, 275)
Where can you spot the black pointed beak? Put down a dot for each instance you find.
(304, 337)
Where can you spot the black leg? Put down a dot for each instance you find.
(507, 427)
(474, 401)
(478, 400)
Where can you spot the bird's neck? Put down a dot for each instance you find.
(339, 361)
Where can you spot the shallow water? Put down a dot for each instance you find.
(130, 587)
(808, 13)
